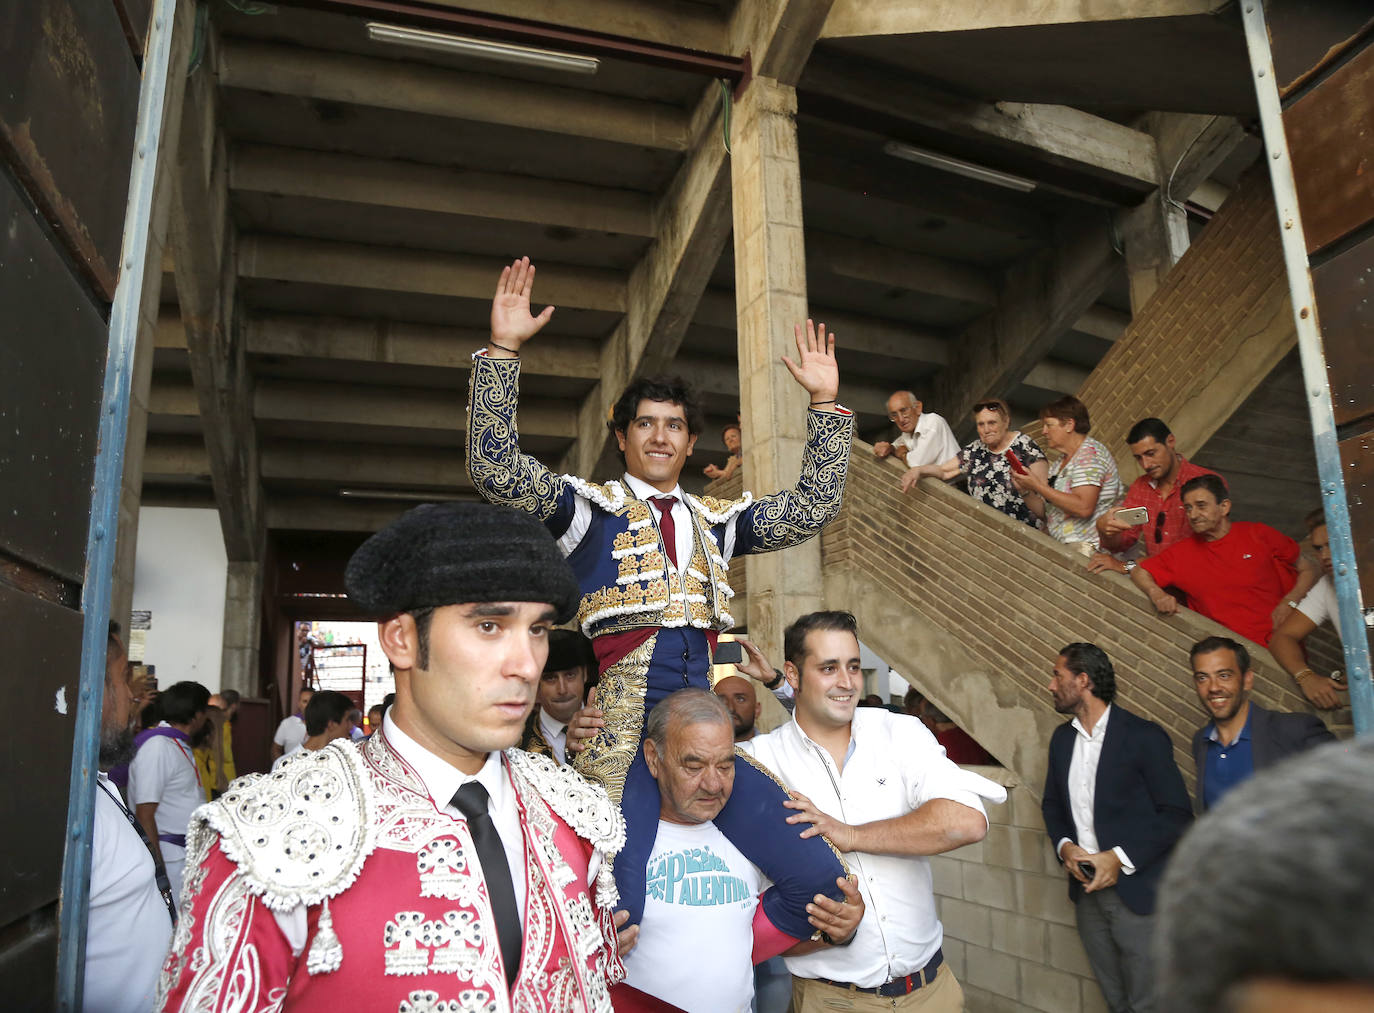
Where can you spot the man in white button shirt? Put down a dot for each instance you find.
(879, 786)
(1114, 806)
(925, 437)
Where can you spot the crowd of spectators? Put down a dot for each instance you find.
(1170, 532)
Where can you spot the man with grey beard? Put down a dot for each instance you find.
(131, 912)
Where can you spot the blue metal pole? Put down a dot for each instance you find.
(100, 533)
(1318, 390)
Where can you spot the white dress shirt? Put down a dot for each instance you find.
(931, 442)
(555, 734)
(1087, 753)
(893, 766)
(682, 522)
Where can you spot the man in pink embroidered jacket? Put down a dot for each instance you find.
(434, 868)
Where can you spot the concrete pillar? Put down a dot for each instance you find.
(770, 297)
(1153, 237)
(242, 627)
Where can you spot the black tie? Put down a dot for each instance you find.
(471, 801)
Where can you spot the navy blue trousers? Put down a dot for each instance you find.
(754, 819)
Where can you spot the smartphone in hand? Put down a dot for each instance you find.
(728, 652)
(1088, 869)
(1135, 515)
(1015, 462)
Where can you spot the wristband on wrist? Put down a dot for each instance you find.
(774, 682)
(503, 348)
(817, 404)
(1299, 676)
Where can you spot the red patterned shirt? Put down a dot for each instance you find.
(1143, 493)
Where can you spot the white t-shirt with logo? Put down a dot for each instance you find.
(696, 938)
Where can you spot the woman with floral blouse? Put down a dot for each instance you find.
(985, 463)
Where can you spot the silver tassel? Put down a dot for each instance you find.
(326, 952)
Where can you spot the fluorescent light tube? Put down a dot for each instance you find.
(959, 167)
(506, 52)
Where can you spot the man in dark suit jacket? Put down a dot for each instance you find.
(1242, 736)
(1114, 806)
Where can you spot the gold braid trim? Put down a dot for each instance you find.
(753, 761)
(792, 516)
(500, 472)
(620, 694)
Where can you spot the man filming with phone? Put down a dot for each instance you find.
(1152, 512)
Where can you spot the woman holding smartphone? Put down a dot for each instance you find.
(989, 462)
(1083, 484)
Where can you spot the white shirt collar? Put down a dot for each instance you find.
(552, 729)
(440, 778)
(643, 490)
(1099, 729)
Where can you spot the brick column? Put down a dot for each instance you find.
(770, 297)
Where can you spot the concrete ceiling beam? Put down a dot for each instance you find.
(904, 269)
(293, 172)
(1057, 376)
(1068, 137)
(392, 407)
(367, 466)
(414, 87)
(326, 513)
(849, 18)
(1043, 296)
(854, 332)
(778, 35)
(387, 341)
(692, 224)
(1191, 147)
(354, 265)
(1102, 322)
(202, 240)
(717, 376)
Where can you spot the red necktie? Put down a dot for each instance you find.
(665, 525)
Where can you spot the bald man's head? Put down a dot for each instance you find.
(743, 702)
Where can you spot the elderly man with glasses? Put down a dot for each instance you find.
(925, 437)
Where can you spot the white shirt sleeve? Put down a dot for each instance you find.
(929, 774)
(577, 528)
(149, 771)
(943, 437)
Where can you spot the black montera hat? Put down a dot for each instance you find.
(452, 553)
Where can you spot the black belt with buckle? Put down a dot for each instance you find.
(904, 985)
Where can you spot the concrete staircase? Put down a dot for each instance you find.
(972, 608)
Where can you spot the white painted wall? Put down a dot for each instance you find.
(179, 576)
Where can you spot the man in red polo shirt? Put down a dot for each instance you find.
(1241, 574)
(1157, 490)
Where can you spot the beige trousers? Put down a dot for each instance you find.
(943, 995)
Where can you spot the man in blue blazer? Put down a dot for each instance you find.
(1242, 736)
(1114, 806)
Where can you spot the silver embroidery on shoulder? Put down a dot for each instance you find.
(299, 835)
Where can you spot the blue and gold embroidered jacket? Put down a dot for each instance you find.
(620, 562)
